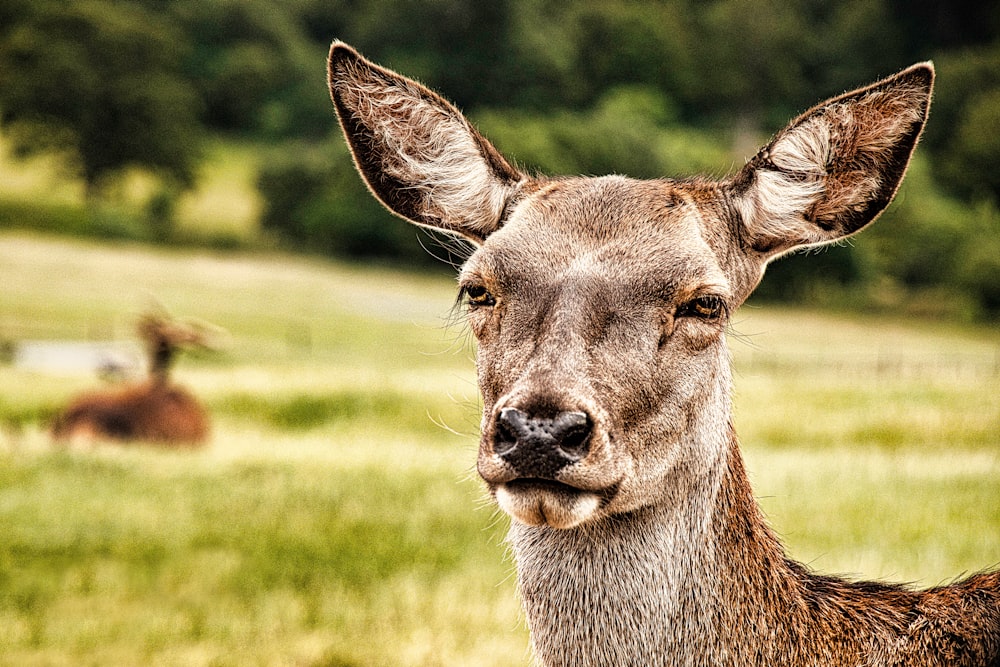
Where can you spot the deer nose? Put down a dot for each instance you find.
(541, 446)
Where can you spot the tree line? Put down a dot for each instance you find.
(643, 87)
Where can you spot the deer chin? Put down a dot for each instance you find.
(537, 502)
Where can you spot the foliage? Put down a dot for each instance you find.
(102, 80)
(966, 114)
(632, 130)
(316, 202)
(641, 87)
(979, 271)
(253, 68)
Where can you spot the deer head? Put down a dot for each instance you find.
(165, 336)
(600, 304)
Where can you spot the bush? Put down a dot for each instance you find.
(979, 271)
(917, 240)
(630, 131)
(315, 201)
(962, 131)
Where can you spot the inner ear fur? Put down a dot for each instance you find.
(834, 168)
(418, 154)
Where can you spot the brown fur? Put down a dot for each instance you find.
(151, 411)
(600, 307)
(154, 410)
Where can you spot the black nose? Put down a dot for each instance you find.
(541, 446)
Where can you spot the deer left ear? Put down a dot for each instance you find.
(419, 155)
(834, 168)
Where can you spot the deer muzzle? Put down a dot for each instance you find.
(542, 467)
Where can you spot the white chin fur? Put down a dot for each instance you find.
(539, 507)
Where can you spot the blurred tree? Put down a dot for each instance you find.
(918, 239)
(459, 46)
(631, 130)
(254, 67)
(936, 25)
(643, 87)
(979, 270)
(316, 202)
(100, 80)
(963, 129)
(762, 62)
(646, 43)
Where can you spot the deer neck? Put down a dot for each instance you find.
(661, 581)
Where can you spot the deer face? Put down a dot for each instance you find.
(599, 304)
(599, 308)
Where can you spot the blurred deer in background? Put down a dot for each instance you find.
(154, 410)
(600, 307)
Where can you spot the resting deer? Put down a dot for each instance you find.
(155, 410)
(599, 306)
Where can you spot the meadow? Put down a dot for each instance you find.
(335, 518)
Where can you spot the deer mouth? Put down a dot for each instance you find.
(544, 502)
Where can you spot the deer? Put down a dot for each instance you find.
(154, 410)
(599, 306)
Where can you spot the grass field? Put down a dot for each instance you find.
(335, 518)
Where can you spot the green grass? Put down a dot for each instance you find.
(335, 517)
(874, 444)
(143, 557)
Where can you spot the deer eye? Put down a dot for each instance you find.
(478, 296)
(704, 307)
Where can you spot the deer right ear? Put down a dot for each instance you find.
(418, 154)
(834, 168)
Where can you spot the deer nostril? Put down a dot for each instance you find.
(540, 446)
(571, 432)
(510, 427)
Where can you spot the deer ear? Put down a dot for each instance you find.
(834, 168)
(418, 154)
